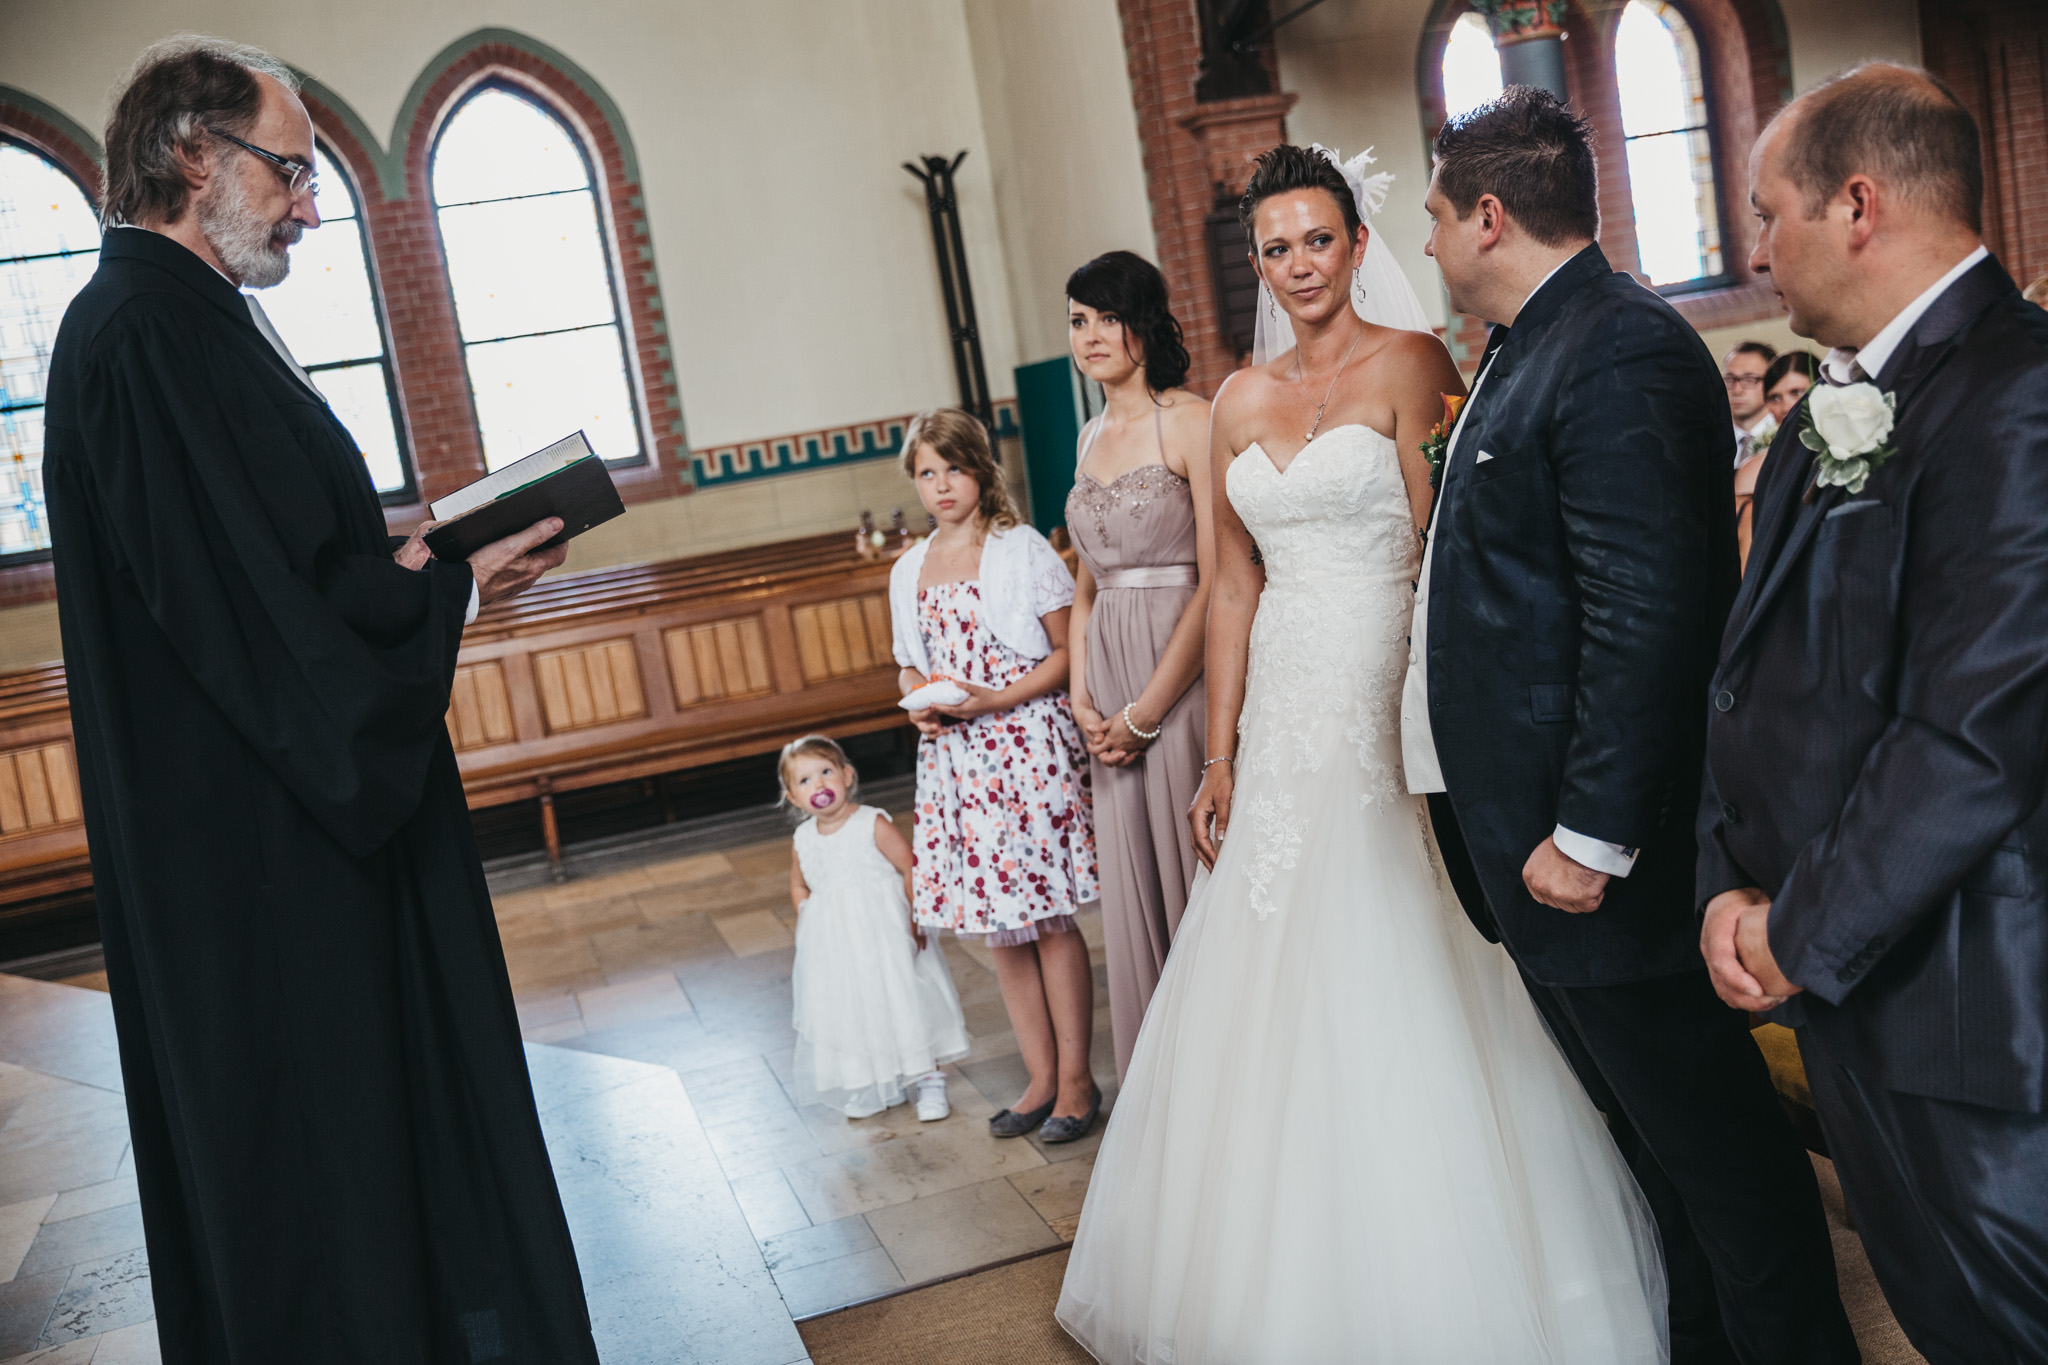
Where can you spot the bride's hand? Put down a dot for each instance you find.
(1209, 817)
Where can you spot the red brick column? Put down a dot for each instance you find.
(1190, 149)
(1994, 55)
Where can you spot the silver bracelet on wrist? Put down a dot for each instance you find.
(1225, 759)
(1132, 725)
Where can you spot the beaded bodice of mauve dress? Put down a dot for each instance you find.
(1144, 518)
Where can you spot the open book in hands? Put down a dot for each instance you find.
(565, 480)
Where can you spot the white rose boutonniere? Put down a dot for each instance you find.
(1848, 430)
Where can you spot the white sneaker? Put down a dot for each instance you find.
(931, 1098)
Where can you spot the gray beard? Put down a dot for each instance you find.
(255, 251)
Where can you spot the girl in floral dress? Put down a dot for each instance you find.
(1004, 839)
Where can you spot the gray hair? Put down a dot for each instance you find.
(175, 89)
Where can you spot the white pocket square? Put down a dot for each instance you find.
(1483, 458)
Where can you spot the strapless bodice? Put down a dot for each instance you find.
(1339, 510)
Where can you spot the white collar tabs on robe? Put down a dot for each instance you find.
(1022, 579)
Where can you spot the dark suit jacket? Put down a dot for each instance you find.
(1879, 742)
(1580, 580)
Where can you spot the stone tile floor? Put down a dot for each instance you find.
(653, 991)
(654, 998)
(684, 962)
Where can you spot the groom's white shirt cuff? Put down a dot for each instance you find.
(1616, 860)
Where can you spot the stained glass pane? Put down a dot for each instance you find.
(1658, 93)
(49, 247)
(499, 145)
(534, 390)
(33, 297)
(1471, 66)
(323, 310)
(358, 395)
(41, 208)
(24, 526)
(527, 265)
(1670, 151)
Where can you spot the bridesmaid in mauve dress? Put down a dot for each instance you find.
(1138, 516)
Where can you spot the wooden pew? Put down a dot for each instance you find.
(586, 679)
(628, 673)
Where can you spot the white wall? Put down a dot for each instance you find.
(1063, 138)
(795, 262)
(1352, 62)
(794, 253)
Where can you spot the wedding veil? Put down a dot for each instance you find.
(1389, 299)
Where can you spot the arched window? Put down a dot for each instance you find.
(326, 311)
(524, 236)
(49, 245)
(1670, 152)
(1471, 66)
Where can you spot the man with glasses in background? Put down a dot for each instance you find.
(335, 1139)
(1742, 370)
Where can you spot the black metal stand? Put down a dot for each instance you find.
(943, 205)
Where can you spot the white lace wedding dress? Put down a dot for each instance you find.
(1346, 1135)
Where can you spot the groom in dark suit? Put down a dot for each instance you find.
(1581, 561)
(1874, 844)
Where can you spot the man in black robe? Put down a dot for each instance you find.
(335, 1137)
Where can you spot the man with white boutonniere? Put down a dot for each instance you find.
(1873, 843)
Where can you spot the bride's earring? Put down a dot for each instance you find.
(1358, 285)
(1272, 313)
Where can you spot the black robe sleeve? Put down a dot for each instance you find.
(269, 570)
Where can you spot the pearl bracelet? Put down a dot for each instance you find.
(1225, 759)
(1133, 725)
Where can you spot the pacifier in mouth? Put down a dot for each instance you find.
(822, 799)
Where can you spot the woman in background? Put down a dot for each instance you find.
(1004, 838)
(1785, 383)
(1139, 518)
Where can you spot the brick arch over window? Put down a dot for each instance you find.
(412, 277)
(26, 119)
(1748, 67)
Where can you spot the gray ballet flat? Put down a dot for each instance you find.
(1010, 1123)
(1071, 1129)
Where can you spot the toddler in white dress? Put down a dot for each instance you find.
(875, 1006)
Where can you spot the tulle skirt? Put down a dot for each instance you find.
(1346, 1135)
(872, 1013)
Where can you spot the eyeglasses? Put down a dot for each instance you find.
(301, 174)
(1742, 381)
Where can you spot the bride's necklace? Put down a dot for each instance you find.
(1301, 377)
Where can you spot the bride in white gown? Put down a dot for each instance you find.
(1346, 1135)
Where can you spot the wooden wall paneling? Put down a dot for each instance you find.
(784, 650)
(593, 684)
(38, 789)
(480, 707)
(716, 660)
(843, 636)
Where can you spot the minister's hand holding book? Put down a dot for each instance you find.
(514, 525)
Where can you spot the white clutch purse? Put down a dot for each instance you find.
(937, 692)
